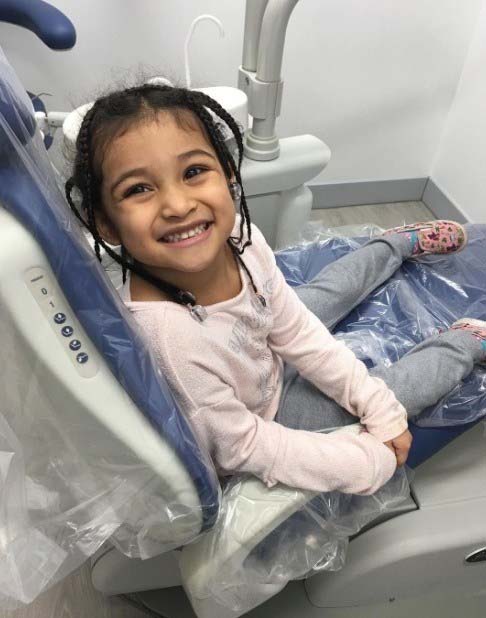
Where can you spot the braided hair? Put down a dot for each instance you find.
(111, 114)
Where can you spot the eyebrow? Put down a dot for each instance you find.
(140, 170)
(197, 151)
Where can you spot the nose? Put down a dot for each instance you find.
(177, 202)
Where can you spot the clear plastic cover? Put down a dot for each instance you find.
(424, 297)
(314, 538)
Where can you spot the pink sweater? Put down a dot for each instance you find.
(226, 373)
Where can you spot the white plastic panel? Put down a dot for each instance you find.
(83, 462)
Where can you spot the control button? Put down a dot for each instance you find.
(67, 331)
(59, 318)
(82, 358)
(75, 344)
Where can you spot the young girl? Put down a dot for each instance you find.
(156, 178)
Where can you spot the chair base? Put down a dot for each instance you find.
(293, 601)
(413, 562)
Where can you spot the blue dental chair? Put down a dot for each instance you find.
(98, 461)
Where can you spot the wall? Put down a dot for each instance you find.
(460, 166)
(374, 79)
(379, 78)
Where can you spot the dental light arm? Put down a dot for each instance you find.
(48, 23)
(265, 22)
(255, 10)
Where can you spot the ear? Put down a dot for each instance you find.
(235, 190)
(107, 230)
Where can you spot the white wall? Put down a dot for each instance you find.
(377, 80)
(460, 166)
(374, 79)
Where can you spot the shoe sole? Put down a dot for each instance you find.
(472, 321)
(480, 324)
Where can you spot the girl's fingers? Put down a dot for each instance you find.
(399, 450)
(402, 455)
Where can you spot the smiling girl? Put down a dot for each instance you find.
(250, 359)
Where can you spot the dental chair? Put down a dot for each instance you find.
(98, 462)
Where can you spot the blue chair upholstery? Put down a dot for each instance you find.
(44, 20)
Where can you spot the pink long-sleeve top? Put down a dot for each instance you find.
(227, 374)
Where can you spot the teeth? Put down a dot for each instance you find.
(188, 234)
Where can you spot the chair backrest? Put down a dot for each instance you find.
(82, 399)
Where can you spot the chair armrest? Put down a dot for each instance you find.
(250, 511)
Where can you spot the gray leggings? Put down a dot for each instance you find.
(419, 379)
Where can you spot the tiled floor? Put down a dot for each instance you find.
(384, 215)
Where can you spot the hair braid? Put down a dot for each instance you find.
(69, 186)
(204, 101)
(233, 126)
(83, 144)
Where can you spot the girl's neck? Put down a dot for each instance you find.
(220, 282)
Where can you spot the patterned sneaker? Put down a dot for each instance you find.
(477, 328)
(433, 237)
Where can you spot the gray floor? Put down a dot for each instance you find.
(75, 597)
(384, 215)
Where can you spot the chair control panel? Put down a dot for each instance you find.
(62, 321)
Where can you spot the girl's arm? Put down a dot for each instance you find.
(240, 441)
(301, 339)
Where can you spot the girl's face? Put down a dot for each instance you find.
(165, 197)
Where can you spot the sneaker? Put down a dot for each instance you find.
(477, 328)
(433, 237)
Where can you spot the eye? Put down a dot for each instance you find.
(193, 171)
(135, 189)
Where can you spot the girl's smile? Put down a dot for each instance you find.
(188, 235)
(165, 198)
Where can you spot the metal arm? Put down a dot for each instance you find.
(260, 72)
(272, 39)
(255, 10)
(44, 20)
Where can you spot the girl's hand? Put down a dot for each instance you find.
(400, 446)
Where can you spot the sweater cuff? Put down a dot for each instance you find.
(385, 433)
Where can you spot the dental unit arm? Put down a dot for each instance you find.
(51, 26)
(260, 73)
(274, 170)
